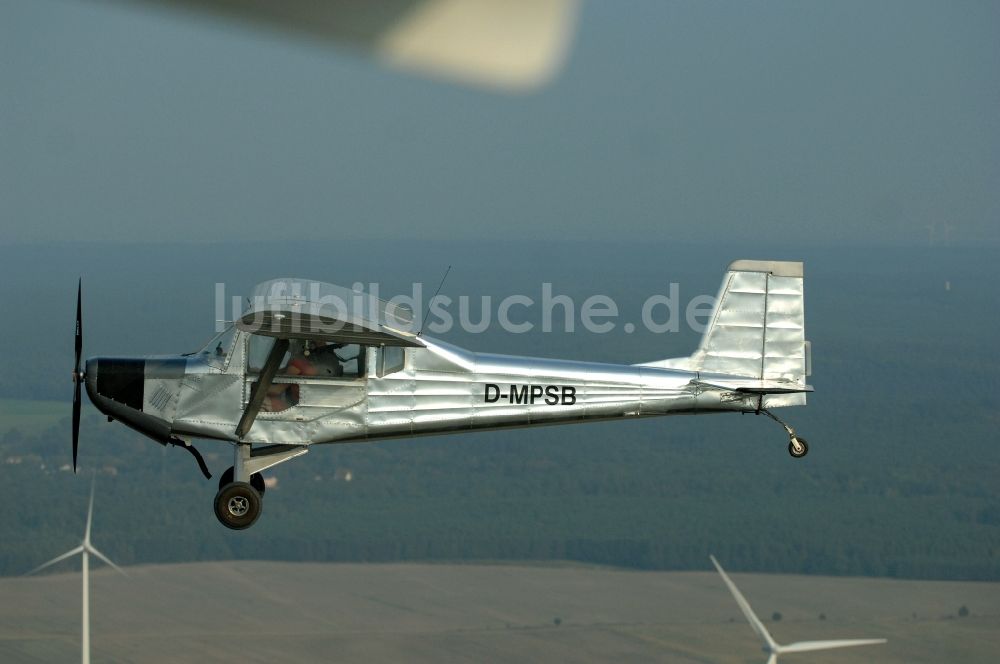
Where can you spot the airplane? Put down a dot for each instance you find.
(771, 647)
(506, 46)
(312, 363)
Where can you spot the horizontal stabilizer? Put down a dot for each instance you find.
(755, 386)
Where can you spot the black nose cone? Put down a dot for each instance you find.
(120, 379)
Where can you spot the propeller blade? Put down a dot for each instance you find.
(77, 378)
(76, 422)
(79, 324)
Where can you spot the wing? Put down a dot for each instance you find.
(510, 45)
(297, 308)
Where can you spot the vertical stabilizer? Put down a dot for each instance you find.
(757, 328)
(755, 338)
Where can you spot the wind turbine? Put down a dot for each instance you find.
(772, 647)
(85, 550)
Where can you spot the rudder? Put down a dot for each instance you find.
(757, 328)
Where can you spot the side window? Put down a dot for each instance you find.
(308, 358)
(333, 360)
(391, 359)
(258, 349)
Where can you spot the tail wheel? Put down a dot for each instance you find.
(798, 447)
(238, 505)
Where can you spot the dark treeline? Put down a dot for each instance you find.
(645, 495)
(900, 480)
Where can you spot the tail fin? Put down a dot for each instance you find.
(757, 329)
(755, 340)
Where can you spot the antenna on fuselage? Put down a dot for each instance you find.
(423, 321)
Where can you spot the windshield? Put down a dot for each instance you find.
(216, 351)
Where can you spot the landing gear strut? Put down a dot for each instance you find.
(256, 480)
(797, 447)
(241, 488)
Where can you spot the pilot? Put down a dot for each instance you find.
(281, 396)
(301, 363)
(324, 359)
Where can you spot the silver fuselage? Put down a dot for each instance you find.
(441, 389)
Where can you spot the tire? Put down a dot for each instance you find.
(256, 481)
(227, 478)
(805, 448)
(237, 505)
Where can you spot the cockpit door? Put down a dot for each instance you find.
(314, 379)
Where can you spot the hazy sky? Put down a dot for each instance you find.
(836, 122)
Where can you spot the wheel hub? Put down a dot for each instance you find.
(238, 505)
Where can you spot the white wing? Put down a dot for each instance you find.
(506, 44)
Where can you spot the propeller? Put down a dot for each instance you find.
(77, 371)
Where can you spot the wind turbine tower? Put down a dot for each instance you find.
(85, 549)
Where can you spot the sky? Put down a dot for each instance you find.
(836, 123)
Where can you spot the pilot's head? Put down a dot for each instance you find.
(311, 345)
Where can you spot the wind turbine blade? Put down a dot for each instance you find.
(105, 559)
(805, 646)
(90, 511)
(772, 658)
(755, 623)
(57, 559)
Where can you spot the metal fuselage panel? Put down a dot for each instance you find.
(445, 389)
(442, 389)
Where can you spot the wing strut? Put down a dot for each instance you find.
(259, 389)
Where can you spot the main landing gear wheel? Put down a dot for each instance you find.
(237, 505)
(256, 480)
